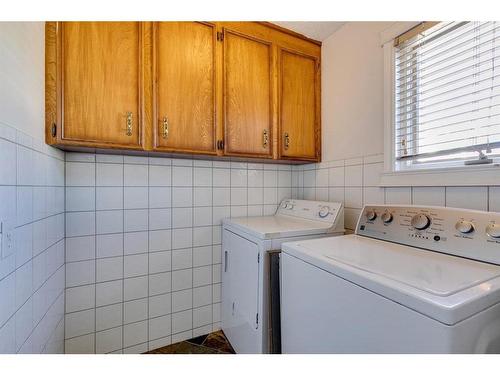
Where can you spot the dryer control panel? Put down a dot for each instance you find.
(327, 212)
(466, 233)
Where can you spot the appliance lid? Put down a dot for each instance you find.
(437, 284)
(276, 226)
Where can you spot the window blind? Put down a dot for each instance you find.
(447, 93)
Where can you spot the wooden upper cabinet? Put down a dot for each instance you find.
(248, 95)
(238, 89)
(299, 106)
(184, 87)
(98, 84)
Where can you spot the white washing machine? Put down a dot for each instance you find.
(250, 274)
(411, 279)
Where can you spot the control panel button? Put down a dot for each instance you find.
(386, 217)
(324, 212)
(493, 230)
(371, 215)
(420, 221)
(464, 226)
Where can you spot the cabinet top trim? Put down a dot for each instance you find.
(289, 32)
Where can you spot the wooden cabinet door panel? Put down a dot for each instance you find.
(101, 82)
(247, 95)
(299, 103)
(184, 65)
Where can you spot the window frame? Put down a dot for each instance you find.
(471, 175)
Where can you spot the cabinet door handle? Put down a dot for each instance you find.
(129, 124)
(287, 141)
(225, 261)
(164, 128)
(265, 138)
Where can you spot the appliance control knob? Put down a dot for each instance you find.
(290, 206)
(420, 221)
(324, 212)
(371, 215)
(493, 230)
(387, 217)
(464, 226)
(285, 205)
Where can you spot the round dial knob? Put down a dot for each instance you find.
(464, 226)
(493, 230)
(371, 215)
(387, 217)
(420, 221)
(324, 211)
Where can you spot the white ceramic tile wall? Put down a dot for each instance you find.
(355, 182)
(32, 271)
(143, 245)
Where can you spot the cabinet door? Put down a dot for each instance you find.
(247, 95)
(100, 75)
(299, 106)
(184, 93)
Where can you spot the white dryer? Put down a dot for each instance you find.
(250, 274)
(411, 279)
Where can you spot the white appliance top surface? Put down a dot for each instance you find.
(275, 226)
(294, 217)
(429, 271)
(448, 288)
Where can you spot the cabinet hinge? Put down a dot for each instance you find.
(257, 319)
(258, 258)
(220, 145)
(53, 130)
(220, 36)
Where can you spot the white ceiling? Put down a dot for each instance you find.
(315, 30)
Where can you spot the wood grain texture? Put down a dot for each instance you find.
(50, 81)
(299, 102)
(289, 32)
(248, 95)
(94, 70)
(147, 86)
(184, 93)
(101, 68)
(219, 89)
(280, 38)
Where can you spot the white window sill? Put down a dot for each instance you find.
(461, 176)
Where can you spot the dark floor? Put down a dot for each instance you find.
(213, 343)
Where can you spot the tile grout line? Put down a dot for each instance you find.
(123, 255)
(95, 254)
(171, 180)
(148, 258)
(192, 248)
(213, 226)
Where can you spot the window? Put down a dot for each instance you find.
(446, 96)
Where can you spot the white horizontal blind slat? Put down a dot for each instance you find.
(447, 91)
(446, 48)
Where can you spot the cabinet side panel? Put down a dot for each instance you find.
(50, 80)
